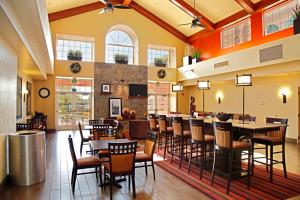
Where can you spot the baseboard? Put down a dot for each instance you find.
(291, 140)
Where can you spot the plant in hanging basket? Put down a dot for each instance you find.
(296, 16)
(74, 55)
(121, 58)
(160, 62)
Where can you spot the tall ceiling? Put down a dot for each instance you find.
(214, 10)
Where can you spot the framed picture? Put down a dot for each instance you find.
(19, 97)
(105, 88)
(115, 107)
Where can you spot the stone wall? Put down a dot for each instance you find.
(119, 76)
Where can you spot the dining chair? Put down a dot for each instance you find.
(198, 144)
(165, 133)
(121, 163)
(147, 155)
(101, 131)
(84, 140)
(180, 139)
(271, 139)
(94, 122)
(82, 163)
(225, 144)
(24, 126)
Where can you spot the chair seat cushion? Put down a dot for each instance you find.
(88, 161)
(141, 156)
(262, 139)
(209, 138)
(240, 145)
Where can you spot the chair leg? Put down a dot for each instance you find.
(190, 158)
(129, 181)
(146, 170)
(72, 177)
(133, 184)
(203, 161)
(172, 149)
(181, 151)
(96, 172)
(153, 169)
(74, 181)
(111, 185)
(283, 161)
(165, 149)
(100, 176)
(252, 163)
(213, 168)
(81, 145)
(267, 158)
(230, 172)
(271, 164)
(249, 167)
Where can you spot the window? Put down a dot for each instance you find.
(118, 42)
(236, 34)
(158, 98)
(64, 44)
(279, 18)
(158, 53)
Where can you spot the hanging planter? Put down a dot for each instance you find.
(160, 62)
(121, 58)
(296, 21)
(74, 55)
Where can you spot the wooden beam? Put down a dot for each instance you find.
(158, 21)
(77, 10)
(126, 2)
(247, 5)
(190, 10)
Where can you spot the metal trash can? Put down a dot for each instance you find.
(27, 157)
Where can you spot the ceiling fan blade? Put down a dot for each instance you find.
(184, 24)
(120, 6)
(103, 1)
(101, 11)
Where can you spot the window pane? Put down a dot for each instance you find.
(158, 53)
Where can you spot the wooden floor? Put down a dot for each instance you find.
(59, 165)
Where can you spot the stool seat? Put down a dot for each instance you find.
(262, 139)
(240, 145)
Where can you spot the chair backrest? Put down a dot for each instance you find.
(72, 151)
(153, 121)
(162, 123)
(101, 132)
(94, 122)
(80, 130)
(223, 134)
(122, 156)
(282, 131)
(247, 118)
(150, 143)
(177, 126)
(110, 122)
(24, 126)
(197, 130)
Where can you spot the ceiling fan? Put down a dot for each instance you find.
(196, 20)
(109, 7)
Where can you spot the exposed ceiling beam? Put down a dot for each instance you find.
(126, 2)
(259, 6)
(247, 5)
(190, 10)
(158, 21)
(78, 10)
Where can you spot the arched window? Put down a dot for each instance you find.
(118, 42)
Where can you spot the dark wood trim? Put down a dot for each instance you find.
(190, 10)
(247, 5)
(158, 21)
(126, 2)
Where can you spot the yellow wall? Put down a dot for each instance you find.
(262, 99)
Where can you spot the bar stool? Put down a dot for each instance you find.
(164, 133)
(153, 122)
(180, 140)
(198, 141)
(273, 138)
(224, 142)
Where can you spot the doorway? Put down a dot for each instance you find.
(74, 102)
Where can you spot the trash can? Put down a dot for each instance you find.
(27, 157)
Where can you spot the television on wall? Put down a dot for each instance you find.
(138, 90)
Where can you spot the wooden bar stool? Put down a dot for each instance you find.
(271, 139)
(198, 143)
(165, 134)
(224, 143)
(180, 140)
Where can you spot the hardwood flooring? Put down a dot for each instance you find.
(59, 165)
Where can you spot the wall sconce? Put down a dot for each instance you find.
(25, 92)
(219, 97)
(284, 93)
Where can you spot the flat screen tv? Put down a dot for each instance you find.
(138, 90)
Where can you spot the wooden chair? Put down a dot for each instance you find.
(179, 140)
(164, 132)
(121, 163)
(82, 163)
(224, 143)
(147, 154)
(273, 138)
(94, 122)
(198, 143)
(84, 140)
(101, 132)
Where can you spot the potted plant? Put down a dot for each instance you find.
(296, 16)
(160, 62)
(196, 57)
(121, 58)
(74, 55)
